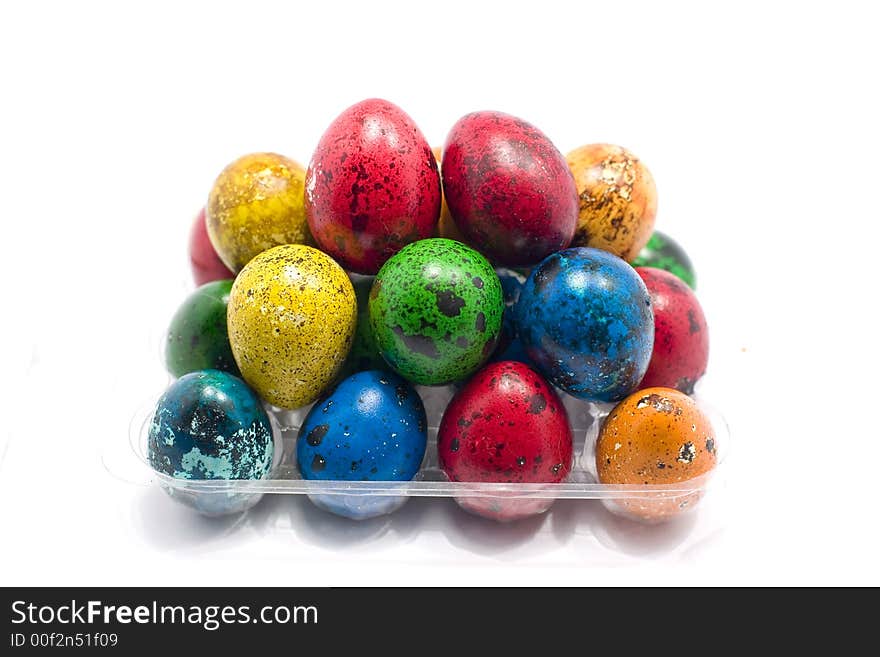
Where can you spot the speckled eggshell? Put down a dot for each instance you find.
(210, 425)
(663, 252)
(291, 318)
(508, 188)
(197, 336)
(681, 339)
(436, 309)
(617, 199)
(372, 186)
(256, 203)
(656, 436)
(505, 425)
(204, 262)
(585, 319)
(364, 354)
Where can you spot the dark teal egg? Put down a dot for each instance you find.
(197, 337)
(210, 425)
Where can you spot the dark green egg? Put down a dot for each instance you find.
(197, 337)
(663, 252)
(435, 309)
(364, 354)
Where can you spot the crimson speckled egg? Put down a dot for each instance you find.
(206, 265)
(505, 425)
(508, 188)
(372, 186)
(681, 339)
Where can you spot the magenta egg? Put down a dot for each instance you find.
(508, 188)
(203, 259)
(372, 186)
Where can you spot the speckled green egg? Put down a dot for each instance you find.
(435, 309)
(291, 320)
(197, 335)
(364, 354)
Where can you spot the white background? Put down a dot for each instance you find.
(758, 120)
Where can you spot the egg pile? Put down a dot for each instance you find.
(519, 276)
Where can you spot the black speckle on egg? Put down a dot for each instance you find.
(318, 463)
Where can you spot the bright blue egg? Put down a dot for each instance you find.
(210, 425)
(510, 347)
(371, 427)
(585, 319)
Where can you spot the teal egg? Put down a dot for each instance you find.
(435, 310)
(197, 336)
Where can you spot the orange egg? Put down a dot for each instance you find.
(617, 197)
(446, 225)
(656, 436)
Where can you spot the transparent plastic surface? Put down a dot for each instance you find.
(501, 501)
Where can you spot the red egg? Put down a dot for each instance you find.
(681, 339)
(505, 425)
(203, 259)
(508, 188)
(372, 186)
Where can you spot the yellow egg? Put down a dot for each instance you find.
(617, 199)
(291, 319)
(446, 225)
(257, 202)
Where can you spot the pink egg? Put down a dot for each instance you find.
(206, 264)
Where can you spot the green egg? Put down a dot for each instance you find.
(364, 354)
(197, 336)
(435, 310)
(663, 252)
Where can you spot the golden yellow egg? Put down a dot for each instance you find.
(291, 319)
(618, 199)
(446, 225)
(257, 202)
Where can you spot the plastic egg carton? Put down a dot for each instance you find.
(361, 500)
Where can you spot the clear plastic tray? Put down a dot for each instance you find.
(501, 501)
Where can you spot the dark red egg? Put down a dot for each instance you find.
(203, 259)
(372, 186)
(681, 339)
(505, 425)
(508, 188)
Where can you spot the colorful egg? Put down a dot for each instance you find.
(508, 188)
(204, 262)
(510, 347)
(585, 319)
(292, 316)
(663, 252)
(198, 337)
(655, 436)
(618, 199)
(446, 224)
(210, 425)
(256, 203)
(681, 339)
(364, 354)
(505, 425)
(371, 427)
(436, 309)
(372, 186)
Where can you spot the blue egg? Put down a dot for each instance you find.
(585, 319)
(210, 425)
(371, 427)
(510, 346)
